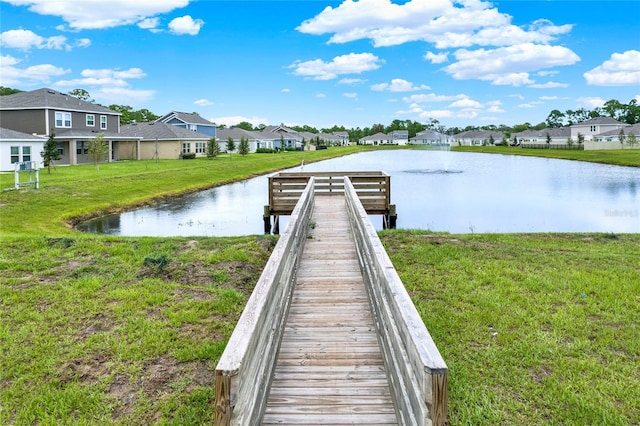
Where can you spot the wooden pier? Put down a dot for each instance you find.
(329, 334)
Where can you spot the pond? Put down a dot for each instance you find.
(433, 190)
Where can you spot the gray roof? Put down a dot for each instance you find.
(377, 137)
(599, 120)
(480, 134)
(237, 133)
(90, 134)
(161, 131)
(553, 132)
(185, 117)
(429, 134)
(50, 99)
(13, 135)
(635, 129)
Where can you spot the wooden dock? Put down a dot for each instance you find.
(330, 368)
(330, 334)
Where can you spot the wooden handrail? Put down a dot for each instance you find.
(417, 372)
(245, 370)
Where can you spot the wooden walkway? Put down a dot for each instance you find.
(330, 368)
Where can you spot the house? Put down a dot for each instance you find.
(158, 140)
(72, 121)
(342, 138)
(627, 137)
(400, 137)
(256, 140)
(376, 139)
(430, 137)
(189, 121)
(595, 126)
(478, 137)
(283, 137)
(18, 147)
(534, 138)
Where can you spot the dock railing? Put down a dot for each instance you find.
(245, 370)
(416, 371)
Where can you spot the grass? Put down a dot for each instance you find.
(625, 157)
(535, 329)
(99, 330)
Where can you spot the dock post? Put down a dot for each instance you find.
(266, 218)
(276, 225)
(393, 216)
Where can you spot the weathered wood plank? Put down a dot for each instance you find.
(330, 369)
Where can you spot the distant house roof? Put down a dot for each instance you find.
(50, 99)
(185, 117)
(161, 131)
(90, 134)
(237, 133)
(13, 135)
(377, 137)
(553, 132)
(429, 134)
(635, 129)
(479, 134)
(599, 120)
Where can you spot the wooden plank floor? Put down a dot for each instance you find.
(330, 369)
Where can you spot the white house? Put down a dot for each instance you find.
(594, 127)
(18, 147)
(430, 137)
(627, 137)
(377, 139)
(552, 136)
(478, 137)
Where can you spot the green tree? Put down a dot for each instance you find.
(548, 140)
(8, 91)
(245, 125)
(50, 152)
(632, 140)
(213, 149)
(81, 94)
(98, 150)
(231, 145)
(580, 138)
(243, 147)
(621, 138)
(555, 119)
(128, 115)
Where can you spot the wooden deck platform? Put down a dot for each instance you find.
(330, 368)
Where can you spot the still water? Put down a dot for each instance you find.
(436, 190)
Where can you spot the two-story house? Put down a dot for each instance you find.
(189, 121)
(595, 126)
(72, 121)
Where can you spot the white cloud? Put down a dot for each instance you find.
(232, 120)
(149, 24)
(431, 97)
(26, 40)
(320, 95)
(508, 65)
(436, 58)
(96, 14)
(466, 103)
(350, 95)
(186, 25)
(591, 102)
(622, 69)
(11, 75)
(442, 22)
(203, 102)
(398, 85)
(286, 90)
(352, 63)
(352, 81)
(110, 85)
(548, 85)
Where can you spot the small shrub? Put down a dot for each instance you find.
(188, 155)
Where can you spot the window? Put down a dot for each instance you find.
(15, 154)
(200, 146)
(186, 147)
(594, 128)
(82, 147)
(63, 119)
(61, 149)
(91, 120)
(26, 153)
(103, 122)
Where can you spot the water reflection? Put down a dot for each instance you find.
(437, 190)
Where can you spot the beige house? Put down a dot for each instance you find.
(158, 140)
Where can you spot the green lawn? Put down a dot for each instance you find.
(623, 157)
(98, 330)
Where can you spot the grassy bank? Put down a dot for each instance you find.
(70, 193)
(97, 330)
(628, 157)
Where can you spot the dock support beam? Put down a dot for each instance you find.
(389, 220)
(266, 218)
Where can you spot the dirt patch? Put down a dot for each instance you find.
(97, 324)
(85, 370)
(541, 373)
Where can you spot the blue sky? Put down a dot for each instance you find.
(325, 63)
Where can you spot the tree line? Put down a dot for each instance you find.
(627, 113)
